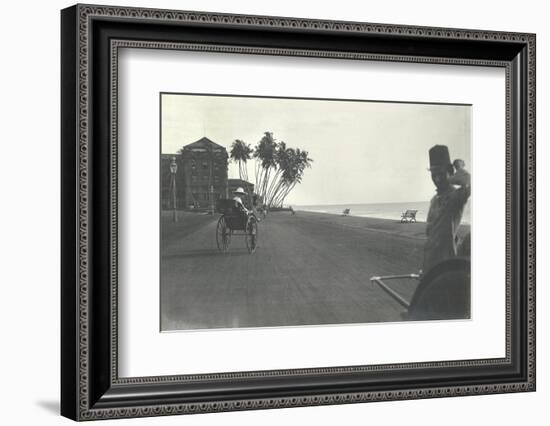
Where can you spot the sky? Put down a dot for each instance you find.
(363, 152)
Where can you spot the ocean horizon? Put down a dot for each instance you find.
(379, 210)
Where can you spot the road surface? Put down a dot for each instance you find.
(308, 269)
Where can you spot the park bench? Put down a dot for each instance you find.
(345, 212)
(408, 216)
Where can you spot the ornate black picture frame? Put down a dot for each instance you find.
(91, 387)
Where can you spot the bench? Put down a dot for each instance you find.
(408, 216)
(345, 212)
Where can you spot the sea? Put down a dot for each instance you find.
(379, 210)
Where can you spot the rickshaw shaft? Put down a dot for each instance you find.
(396, 296)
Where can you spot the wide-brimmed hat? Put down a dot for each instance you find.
(239, 190)
(440, 158)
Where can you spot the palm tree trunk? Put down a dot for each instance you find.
(258, 177)
(274, 180)
(266, 180)
(285, 193)
(245, 171)
(277, 191)
(277, 198)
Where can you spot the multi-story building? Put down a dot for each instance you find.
(201, 177)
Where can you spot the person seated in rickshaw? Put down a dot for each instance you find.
(238, 193)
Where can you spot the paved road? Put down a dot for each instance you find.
(308, 269)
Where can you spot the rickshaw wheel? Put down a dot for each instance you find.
(251, 236)
(223, 235)
(443, 293)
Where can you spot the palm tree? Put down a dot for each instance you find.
(298, 160)
(281, 163)
(283, 160)
(241, 152)
(278, 169)
(265, 154)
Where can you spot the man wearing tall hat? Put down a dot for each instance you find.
(446, 208)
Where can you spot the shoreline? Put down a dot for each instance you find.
(366, 216)
(394, 227)
(355, 215)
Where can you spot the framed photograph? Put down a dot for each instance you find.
(263, 212)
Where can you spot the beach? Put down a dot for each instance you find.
(381, 210)
(309, 269)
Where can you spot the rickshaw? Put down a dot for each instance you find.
(236, 222)
(443, 292)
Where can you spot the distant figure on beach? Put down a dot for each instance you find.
(446, 206)
(237, 198)
(292, 210)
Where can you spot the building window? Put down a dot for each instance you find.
(204, 165)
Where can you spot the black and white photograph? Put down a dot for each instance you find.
(266, 207)
(279, 211)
